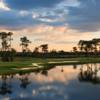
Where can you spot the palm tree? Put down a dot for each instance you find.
(44, 48)
(86, 46)
(36, 50)
(6, 46)
(96, 43)
(4, 39)
(80, 45)
(25, 43)
(10, 38)
(74, 49)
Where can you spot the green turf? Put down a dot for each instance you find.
(8, 67)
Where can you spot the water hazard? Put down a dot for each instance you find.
(70, 82)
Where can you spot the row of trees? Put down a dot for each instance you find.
(25, 43)
(6, 49)
(88, 45)
(6, 39)
(7, 52)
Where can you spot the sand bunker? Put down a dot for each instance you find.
(52, 62)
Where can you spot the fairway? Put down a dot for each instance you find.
(27, 63)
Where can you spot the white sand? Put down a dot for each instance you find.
(61, 62)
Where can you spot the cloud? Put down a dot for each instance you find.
(16, 20)
(54, 34)
(3, 6)
(58, 37)
(32, 13)
(85, 17)
(30, 4)
(12, 19)
(56, 22)
(82, 15)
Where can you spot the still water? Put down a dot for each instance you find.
(70, 82)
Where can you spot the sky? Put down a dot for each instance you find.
(59, 23)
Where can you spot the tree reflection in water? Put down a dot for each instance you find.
(5, 86)
(74, 66)
(44, 72)
(24, 81)
(62, 70)
(89, 74)
(7, 79)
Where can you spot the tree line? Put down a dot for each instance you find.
(88, 46)
(7, 53)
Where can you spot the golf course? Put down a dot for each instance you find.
(27, 64)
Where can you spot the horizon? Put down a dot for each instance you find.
(58, 23)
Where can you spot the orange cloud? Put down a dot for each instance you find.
(58, 37)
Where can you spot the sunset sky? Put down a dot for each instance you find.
(59, 23)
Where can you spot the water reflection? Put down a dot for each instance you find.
(5, 86)
(62, 70)
(44, 72)
(90, 74)
(24, 81)
(74, 66)
(53, 83)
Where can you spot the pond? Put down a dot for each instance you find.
(70, 82)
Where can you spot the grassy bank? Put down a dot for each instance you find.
(8, 67)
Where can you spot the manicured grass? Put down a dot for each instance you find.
(18, 63)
